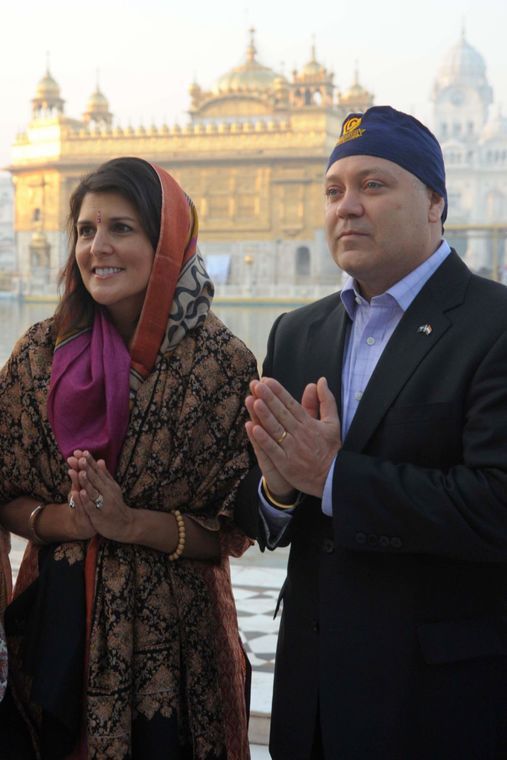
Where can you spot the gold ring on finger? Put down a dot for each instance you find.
(282, 438)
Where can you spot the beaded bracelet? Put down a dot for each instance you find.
(269, 496)
(32, 524)
(181, 536)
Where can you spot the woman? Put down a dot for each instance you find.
(122, 449)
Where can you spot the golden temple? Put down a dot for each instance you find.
(252, 158)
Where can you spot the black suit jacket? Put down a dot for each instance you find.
(394, 624)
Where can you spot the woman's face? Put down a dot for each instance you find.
(114, 255)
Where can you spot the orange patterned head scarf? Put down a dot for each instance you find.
(180, 291)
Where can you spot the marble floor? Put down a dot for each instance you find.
(256, 590)
(259, 752)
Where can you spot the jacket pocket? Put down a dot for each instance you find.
(455, 640)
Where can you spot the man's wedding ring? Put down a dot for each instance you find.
(282, 438)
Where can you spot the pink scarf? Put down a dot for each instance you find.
(88, 401)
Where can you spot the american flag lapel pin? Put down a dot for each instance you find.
(425, 329)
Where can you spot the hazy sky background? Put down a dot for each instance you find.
(149, 51)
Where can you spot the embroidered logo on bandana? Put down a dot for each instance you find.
(351, 130)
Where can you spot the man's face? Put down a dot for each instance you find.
(381, 221)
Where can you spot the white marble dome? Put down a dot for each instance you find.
(462, 64)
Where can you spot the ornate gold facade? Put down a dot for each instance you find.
(252, 158)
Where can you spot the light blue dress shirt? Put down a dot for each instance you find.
(372, 325)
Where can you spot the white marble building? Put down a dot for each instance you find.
(473, 135)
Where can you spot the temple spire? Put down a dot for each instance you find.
(251, 49)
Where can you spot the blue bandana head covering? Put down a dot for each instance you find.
(384, 132)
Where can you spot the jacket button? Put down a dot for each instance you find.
(372, 539)
(315, 626)
(328, 546)
(361, 538)
(396, 542)
(383, 541)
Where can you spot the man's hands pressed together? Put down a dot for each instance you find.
(295, 443)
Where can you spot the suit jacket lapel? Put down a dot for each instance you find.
(325, 348)
(408, 347)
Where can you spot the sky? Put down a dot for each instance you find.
(148, 52)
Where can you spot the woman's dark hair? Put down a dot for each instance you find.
(136, 181)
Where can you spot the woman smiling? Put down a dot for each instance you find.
(123, 446)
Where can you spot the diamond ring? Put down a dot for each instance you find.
(99, 501)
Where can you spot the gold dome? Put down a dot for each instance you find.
(97, 109)
(48, 88)
(313, 68)
(354, 92)
(47, 98)
(356, 98)
(98, 102)
(250, 75)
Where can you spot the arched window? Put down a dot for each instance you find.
(303, 261)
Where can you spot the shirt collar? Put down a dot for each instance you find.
(402, 292)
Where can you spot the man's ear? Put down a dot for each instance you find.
(436, 207)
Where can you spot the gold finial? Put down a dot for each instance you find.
(314, 50)
(251, 50)
(48, 59)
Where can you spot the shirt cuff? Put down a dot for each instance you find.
(327, 494)
(276, 521)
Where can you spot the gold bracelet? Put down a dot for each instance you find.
(181, 536)
(273, 501)
(32, 524)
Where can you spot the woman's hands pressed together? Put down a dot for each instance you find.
(98, 498)
(99, 503)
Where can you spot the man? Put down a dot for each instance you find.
(389, 478)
